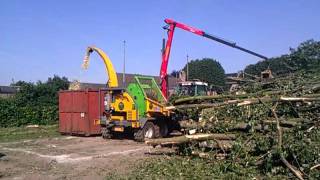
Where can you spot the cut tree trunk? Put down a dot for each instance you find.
(189, 138)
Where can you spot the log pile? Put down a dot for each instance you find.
(275, 126)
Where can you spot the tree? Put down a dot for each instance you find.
(35, 103)
(305, 57)
(174, 73)
(207, 70)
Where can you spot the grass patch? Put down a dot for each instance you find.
(21, 133)
(178, 167)
(191, 168)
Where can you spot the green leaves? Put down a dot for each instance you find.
(305, 57)
(35, 103)
(207, 70)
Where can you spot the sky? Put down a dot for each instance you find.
(39, 39)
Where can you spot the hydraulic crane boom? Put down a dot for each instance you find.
(171, 25)
(113, 80)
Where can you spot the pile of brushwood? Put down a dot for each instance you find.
(274, 128)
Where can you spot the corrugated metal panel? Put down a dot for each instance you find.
(65, 102)
(95, 109)
(78, 111)
(64, 126)
(80, 101)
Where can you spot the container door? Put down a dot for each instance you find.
(94, 110)
(80, 112)
(65, 112)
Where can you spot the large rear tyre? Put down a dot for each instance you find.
(149, 130)
(164, 130)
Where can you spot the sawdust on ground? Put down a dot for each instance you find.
(70, 158)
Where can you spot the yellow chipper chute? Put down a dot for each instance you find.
(113, 80)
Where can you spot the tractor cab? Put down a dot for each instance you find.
(192, 88)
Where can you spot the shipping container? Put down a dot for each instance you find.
(80, 111)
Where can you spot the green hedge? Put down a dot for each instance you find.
(35, 103)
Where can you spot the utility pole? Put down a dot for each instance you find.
(124, 65)
(187, 78)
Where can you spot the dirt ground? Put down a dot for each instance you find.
(70, 157)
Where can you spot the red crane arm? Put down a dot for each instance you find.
(166, 52)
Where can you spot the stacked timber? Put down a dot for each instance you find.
(274, 126)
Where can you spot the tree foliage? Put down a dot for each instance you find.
(174, 73)
(207, 70)
(35, 103)
(275, 139)
(276, 121)
(306, 56)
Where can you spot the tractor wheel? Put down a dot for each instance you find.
(164, 130)
(106, 134)
(157, 131)
(149, 130)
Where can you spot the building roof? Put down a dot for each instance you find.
(129, 78)
(231, 74)
(92, 86)
(8, 89)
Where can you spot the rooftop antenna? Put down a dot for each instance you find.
(12, 82)
(124, 65)
(187, 76)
